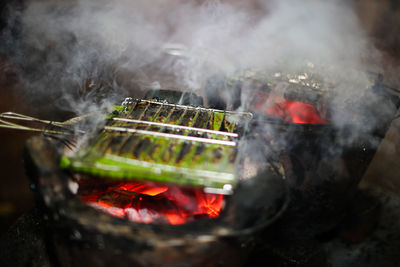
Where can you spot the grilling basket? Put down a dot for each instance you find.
(160, 181)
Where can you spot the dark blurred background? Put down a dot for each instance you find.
(381, 19)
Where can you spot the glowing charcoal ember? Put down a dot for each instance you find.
(210, 204)
(287, 110)
(151, 203)
(294, 111)
(114, 199)
(155, 191)
(175, 219)
(117, 212)
(302, 113)
(142, 215)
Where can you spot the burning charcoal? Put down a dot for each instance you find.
(114, 211)
(114, 198)
(153, 203)
(160, 204)
(142, 215)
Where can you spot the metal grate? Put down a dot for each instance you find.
(162, 142)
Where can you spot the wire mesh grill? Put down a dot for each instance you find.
(162, 142)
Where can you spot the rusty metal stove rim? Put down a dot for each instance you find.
(195, 230)
(151, 235)
(218, 225)
(259, 227)
(306, 128)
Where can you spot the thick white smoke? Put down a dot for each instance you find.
(84, 54)
(69, 40)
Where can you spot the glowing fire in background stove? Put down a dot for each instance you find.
(286, 110)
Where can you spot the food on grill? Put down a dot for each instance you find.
(161, 142)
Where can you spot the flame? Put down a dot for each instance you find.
(144, 189)
(151, 203)
(287, 110)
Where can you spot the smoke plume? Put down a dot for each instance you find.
(63, 45)
(84, 55)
